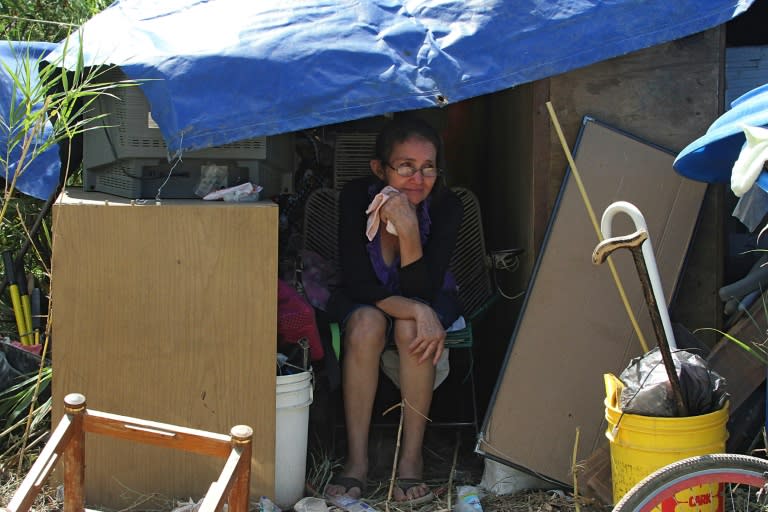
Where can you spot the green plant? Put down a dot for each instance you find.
(47, 107)
(19, 406)
(757, 349)
(44, 20)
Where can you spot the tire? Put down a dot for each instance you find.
(743, 479)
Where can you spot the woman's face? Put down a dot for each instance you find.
(414, 152)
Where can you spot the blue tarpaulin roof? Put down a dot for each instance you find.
(40, 175)
(227, 70)
(230, 70)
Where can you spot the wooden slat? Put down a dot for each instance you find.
(157, 434)
(25, 495)
(216, 495)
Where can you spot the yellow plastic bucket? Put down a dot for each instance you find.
(639, 445)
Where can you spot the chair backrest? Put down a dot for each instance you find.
(321, 225)
(469, 263)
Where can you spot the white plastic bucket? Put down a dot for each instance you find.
(294, 396)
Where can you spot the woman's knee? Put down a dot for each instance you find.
(405, 333)
(366, 328)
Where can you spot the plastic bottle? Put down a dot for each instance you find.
(468, 499)
(351, 504)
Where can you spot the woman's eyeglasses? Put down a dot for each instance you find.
(407, 170)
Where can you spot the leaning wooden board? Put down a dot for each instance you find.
(573, 327)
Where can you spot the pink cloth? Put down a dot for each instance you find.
(372, 225)
(35, 349)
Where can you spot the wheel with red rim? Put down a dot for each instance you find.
(705, 483)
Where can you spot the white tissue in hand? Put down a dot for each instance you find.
(372, 224)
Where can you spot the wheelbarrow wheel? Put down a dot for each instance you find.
(721, 481)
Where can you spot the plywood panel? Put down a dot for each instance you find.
(574, 327)
(167, 313)
(668, 94)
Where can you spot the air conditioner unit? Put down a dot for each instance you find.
(352, 157)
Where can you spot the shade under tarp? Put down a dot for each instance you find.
(225, 70)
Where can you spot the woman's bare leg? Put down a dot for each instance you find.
(364, 341)
(416, 384)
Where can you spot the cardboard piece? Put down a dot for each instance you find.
(574, 327)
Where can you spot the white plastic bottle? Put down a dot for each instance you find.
(468, 499)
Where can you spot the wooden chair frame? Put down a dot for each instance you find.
(67, 443)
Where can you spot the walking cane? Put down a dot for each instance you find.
(634, 243)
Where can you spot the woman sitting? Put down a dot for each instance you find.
(397, 232)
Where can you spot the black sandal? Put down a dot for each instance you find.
(407, 483)
(347, 482)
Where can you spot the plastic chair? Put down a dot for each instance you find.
(470, 264)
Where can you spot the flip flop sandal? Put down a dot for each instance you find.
(407, 483)
(347, 482)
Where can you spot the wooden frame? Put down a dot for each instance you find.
(67, 443)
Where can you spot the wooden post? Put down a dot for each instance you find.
(239, 493)
(73, 455)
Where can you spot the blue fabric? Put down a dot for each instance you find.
(710, 158)
(40, 175)
(227, 70)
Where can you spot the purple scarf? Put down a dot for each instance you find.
(388, 274)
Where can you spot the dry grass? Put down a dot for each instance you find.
(48, 500)
(537, 501)
(449, 462)
(319, 471)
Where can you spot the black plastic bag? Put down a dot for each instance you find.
(8, 374)
(647, 391)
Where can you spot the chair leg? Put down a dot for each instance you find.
(74, 455)
(473, 390)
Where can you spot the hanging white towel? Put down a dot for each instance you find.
(372, 225)
(752, 157)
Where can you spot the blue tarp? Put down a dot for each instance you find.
(40, 178)
(710, 158)
(227, 70)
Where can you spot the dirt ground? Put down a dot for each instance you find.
(449, 462)
(449, 457)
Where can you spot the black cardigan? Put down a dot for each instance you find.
(421, 279)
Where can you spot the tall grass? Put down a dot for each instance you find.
(45, 112)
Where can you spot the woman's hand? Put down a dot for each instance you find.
(400, 212)
(430, 335)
